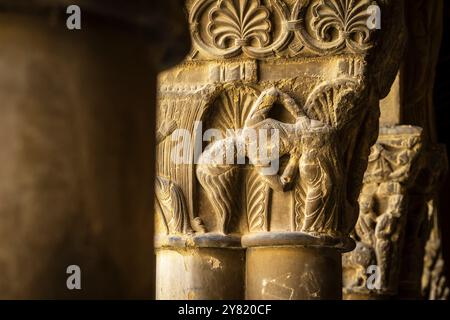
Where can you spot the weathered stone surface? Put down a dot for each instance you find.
(76, 133)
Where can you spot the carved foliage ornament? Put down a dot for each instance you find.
(260, 29)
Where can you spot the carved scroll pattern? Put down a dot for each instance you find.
(261, 29)
(311, 145)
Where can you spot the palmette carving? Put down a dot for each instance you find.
(236, 26)
(348, 18)
(379, 232)
(333, 102)
(318, 116)
(218, 178)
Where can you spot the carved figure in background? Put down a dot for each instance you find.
(303, 139)
(365, 228)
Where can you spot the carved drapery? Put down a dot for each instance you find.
(298, 71)
(422, 274)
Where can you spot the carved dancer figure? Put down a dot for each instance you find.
(289, 137)
(365, 227)
(218, 175)
(358, 261)
(384, 246)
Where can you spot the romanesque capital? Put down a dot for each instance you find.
(372, 269)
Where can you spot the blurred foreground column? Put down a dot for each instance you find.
(265, 132)
(76, 130)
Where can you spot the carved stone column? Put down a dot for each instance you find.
(422, 243)
(434, 282)
(265, 131)
(380, 230)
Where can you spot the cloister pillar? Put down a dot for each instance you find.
(398, 230)
(76, 131)
(265, 131)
